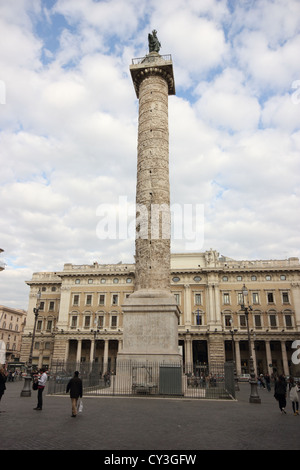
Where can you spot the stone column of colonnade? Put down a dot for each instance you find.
(268, 357)
(92, 349)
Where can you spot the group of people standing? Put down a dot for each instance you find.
(74, 386)
(280, 393)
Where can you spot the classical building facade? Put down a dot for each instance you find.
(12, 322)
(81, 318)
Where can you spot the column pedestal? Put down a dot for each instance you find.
(150, 328)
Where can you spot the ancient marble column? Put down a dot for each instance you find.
(153, 81)
(150, 327)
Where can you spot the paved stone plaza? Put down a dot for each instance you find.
(127, 424)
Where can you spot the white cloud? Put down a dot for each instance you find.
(270, 69)
(282, 112)
(228, 103)
(69, 126)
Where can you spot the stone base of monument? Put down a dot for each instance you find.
(150, 360)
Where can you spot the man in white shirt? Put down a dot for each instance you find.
(41, 385)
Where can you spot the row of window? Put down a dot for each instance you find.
(198, 320)
(129, 280)
(51, 306)
(10, 326)
(88, 301)
(49, 325)
(101, 299)
(226, 298)
(10, 341)
(114, 299)
(271, 321)
(255, 298)
(42, 345)
(11, 348)
(52, 289)
(268, 277)
(98, 322)
(103, 280)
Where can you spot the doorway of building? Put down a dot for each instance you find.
(200, 354)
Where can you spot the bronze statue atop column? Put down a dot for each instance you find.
(154, 44)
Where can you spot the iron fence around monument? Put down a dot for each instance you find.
(199, 381)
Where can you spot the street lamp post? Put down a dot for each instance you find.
(254, 397)
(232, 331)
(26, 392)
(94, 372)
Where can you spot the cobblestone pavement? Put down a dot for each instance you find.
(127, 424)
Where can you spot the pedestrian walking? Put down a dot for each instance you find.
(293, 395)
(261, 381)
(280, 393)
(107, 379)
(268, 382)
(75, 388)
(42, 380)
(3, 378)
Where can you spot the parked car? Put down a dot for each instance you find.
(244, 377)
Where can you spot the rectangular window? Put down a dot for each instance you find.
(115, 299)
(89, 299)
(285, 297)
(273, 321)
(257, 321)
(76, 300)
(114, 321)
(51, 306)
(288, 321)
(226, 299)
(87, 321)
(197, 299)
(49, 325)
(74, 321)
(102, 299)
(228, 321)
(243, 322)
(198, 319)
(270, 298)
(255, 298)
(177, 298)
(241, 299)
(100, 321)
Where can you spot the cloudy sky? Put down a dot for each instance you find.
(68, 129)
